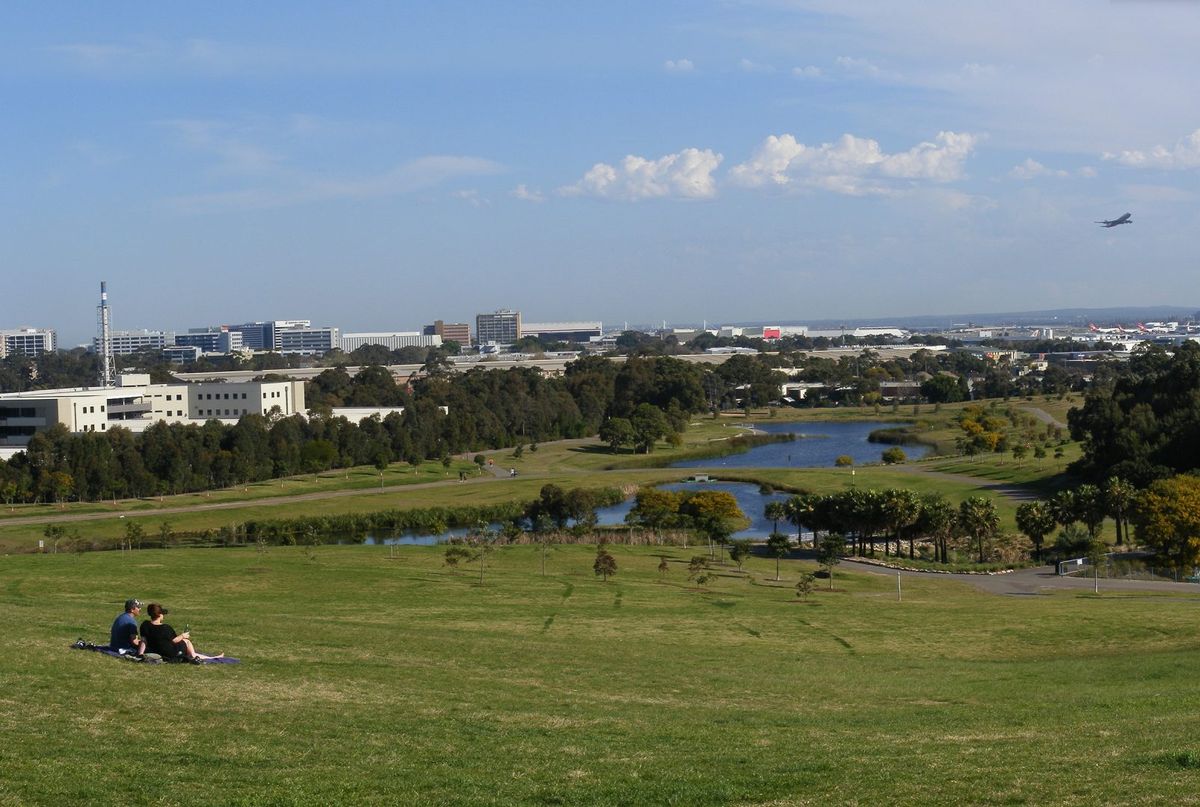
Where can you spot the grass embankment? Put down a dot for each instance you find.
(373, 680)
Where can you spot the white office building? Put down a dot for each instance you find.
(392, 340)
(125, 343)
(135, 404)
(564, 331)
(27, 342)
(307, 341)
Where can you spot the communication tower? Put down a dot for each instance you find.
(106, 348)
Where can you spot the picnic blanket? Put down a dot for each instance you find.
(149, 658)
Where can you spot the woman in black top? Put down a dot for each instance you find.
(162, 639)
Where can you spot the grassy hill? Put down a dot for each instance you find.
(370, 678)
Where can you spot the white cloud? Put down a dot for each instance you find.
(687, 174)
(852, 165)
(865, 68)
(471, 196)
(296, 188)
(747, 66)
(1185, 154)
(808, 71)
(525, 194)
(678, 65)
(1032, 169)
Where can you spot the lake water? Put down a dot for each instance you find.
(817, 445)
(748, 498)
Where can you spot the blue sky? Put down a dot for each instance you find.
(379, 165)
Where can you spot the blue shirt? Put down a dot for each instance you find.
(124, 633)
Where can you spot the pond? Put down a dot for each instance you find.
(817, 445)
(748, 498)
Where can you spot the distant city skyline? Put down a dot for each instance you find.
(379, 166)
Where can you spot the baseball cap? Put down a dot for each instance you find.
(131, 604)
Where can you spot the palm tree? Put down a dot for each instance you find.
(978, 518)
(776, 511)
(1036, 519)
(901, 509)
(1120, 496)
(801, 511)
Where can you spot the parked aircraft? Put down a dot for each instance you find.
(1094, 329)
(1126, 219)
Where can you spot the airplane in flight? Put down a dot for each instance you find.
(1126, 219)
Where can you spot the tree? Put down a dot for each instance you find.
(779, 545)
(802, 510)
(944, 388)
(893, 456)
(655, 508)
(605, 564)
(844, 461)
(829, 553)
(134, 533)
(663, 566)
(649, 425)
(978, 518)
(738, 551)
(901, 508)
(714, 513)
(698, 569)
(1166, 519)
(1119, 497)
(804, 586)
(1036, 519)
(617, 432)
(776, 511)
(166, 535)
(1090, 507)
(937, 520)
(455, 553)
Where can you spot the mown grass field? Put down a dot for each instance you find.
(371, 679)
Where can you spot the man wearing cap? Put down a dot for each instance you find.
(124, 634)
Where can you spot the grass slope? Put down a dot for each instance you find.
(377, 680)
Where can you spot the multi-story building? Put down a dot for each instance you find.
(392, 340)
(564, 331)
(265, 335)
(125, 343)
(27, 342)
(502, 327)
(211, 340)
(450, 331)
(307, 341)
(135, 404)
(181, 354)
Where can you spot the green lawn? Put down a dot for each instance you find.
(371, 679)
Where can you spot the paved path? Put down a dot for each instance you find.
(1019, 493)
(1034, 581)
(269, 501)
(1044, 416)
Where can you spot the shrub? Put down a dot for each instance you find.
(894, 456)
(844, 461)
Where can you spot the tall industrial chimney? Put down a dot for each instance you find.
(106, 352)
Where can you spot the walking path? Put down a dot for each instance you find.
(269, 501)
(1044, 416)
(1034, 581)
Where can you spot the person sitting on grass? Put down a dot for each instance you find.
(162, 639)
(123, 637)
